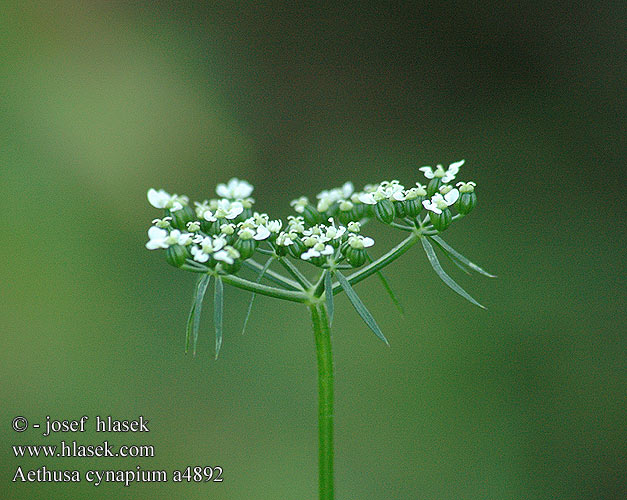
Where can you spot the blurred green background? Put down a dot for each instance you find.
(102, 100)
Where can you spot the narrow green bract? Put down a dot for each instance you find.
(252, 295)
(193, 320)
(435, 263)
(455, 254)
(328, 295)
(218, 306)
(359, 306)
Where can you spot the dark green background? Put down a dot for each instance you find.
(102, 100)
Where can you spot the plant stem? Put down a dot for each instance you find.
(380, 263)
(322, 335)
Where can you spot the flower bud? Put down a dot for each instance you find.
(434, 186)
(441, 221)
(467, 197)
(231, 268)
(175, 255)
(384, 211)
(311, 215)
(356, 256)
(399, 209)
(209, 227)
(245, 247)
(297, 248)
(181, 217)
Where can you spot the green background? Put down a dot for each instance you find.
(102, 100)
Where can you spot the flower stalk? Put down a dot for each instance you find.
(220, 237)
(322, 336)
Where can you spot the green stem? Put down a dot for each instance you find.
(322, 335)
(270, 291)
(381, 262)
(272, 276)
(293, 270)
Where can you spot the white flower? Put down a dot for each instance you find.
(162, 199)
(210, 245)
(295, 224)
(235, 189)
(262, 233)
(227, 229)
(333, 232)
(228, 255)
(229, 210)
(156, 237)
(285, 239)
(384, 191)
(438, 202)
(317, 250)
(360, 242)
(160, 238)
(199, 255)
(209, 216)
(300, 204)
(447, 176)
(162, 223)
(329, 197)
(466, 187)
(274, 226)
(354, 227)
(193, 226)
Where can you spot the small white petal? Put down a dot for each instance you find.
(157, 199)
(368, 242)
(262, 233)
(428, 171)
(451, 197)
(455, 166)
(367, 198)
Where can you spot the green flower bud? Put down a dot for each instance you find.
(209, 227)
(319, 261)
(356, 256)
(297, 248)
(466, 203)
(181, 217)
(434, 186)
(399, 209)
(467, 197)
(384, 211)
(414, 207)
(175, 255)
(231, 268)
(311, 215)
(441, 221)
(246, 248)
(246, 214)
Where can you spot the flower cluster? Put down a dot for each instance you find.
(222, 233)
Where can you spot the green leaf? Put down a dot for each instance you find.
(252, 296)
(218, 307)
(389, 290)
(360, 307)
(193, 320)
(328, 295)
(456, 255)
(435, 263)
